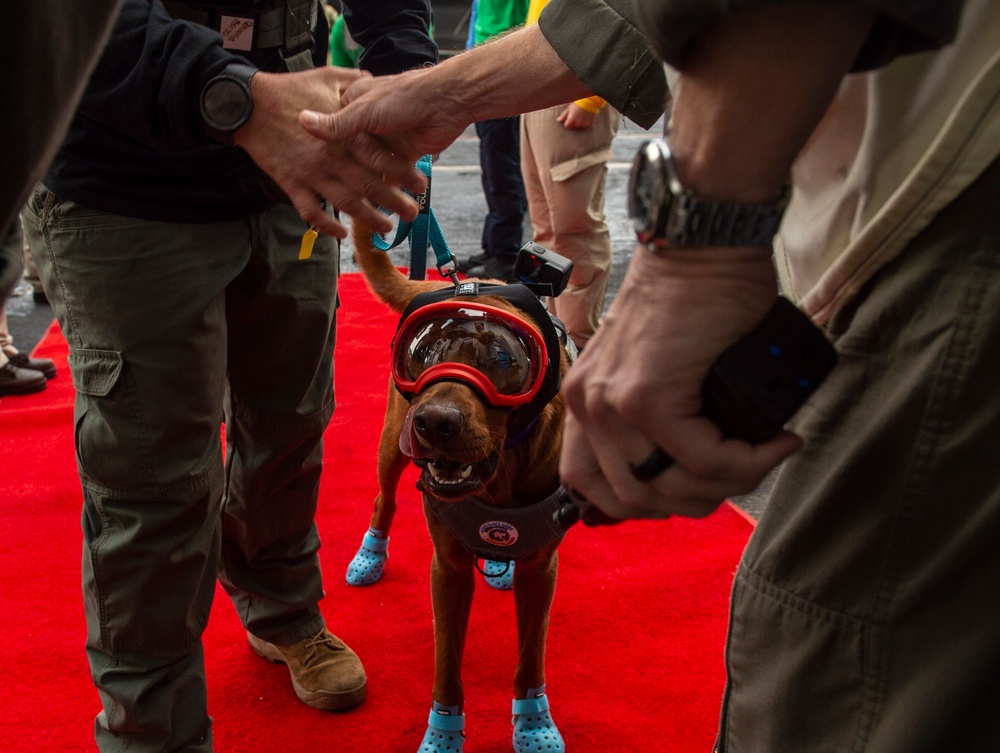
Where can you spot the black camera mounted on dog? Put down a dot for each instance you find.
(543, 272)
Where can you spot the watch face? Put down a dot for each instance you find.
(665, 214)
(646, 190)
(226, 103)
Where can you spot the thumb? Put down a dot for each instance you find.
(328, 126)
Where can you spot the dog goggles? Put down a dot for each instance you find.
(493, 350)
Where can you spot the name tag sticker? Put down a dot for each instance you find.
(237, 32)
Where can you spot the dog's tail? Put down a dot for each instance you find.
(388, 284)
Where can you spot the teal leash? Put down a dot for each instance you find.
(424, 231)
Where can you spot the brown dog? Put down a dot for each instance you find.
(494, 457)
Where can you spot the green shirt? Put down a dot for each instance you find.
(344, 51)
(494, 17)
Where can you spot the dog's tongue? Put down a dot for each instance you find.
(408, 444)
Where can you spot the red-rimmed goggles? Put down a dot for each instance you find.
(498, 353)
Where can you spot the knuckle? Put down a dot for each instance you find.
(312, 215)
(703, 466)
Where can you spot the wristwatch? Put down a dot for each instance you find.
(665, 214)
(226, 103)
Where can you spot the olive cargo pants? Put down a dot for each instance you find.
(174, 329)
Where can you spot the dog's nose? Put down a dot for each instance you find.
(437, 423)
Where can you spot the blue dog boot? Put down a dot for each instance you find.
(367, 566)
(500, 575)
(445, 730)
(534, 730)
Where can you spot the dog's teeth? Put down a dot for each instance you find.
(436, 468)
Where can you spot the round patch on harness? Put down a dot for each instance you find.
(498, 533)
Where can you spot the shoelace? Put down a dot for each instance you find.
(321, 638)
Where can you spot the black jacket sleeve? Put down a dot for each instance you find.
(393, 33)
(149, 79)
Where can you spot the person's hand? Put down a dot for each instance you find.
(424, 110)
(355, 175)
(406, 113)
(638, 385)
(575, 118)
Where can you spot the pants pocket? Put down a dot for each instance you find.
(796, 674)
(111, 448)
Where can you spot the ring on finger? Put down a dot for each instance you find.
(656, 463)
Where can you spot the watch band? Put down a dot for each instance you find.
(668, 215)
(696, 222)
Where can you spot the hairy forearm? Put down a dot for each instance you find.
(518, 72)
(752, 89)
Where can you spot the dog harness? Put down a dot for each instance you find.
(501, 533)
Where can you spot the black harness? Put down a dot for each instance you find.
(503, 534)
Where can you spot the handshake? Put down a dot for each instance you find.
(337, 137)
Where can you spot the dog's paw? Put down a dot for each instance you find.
(369, 563)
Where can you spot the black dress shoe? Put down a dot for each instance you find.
(18, 381)
(500, 269)
(473, 261)
(45, 365)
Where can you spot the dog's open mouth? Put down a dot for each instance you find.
(451, 478)
(443, 474)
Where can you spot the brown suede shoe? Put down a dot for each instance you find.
(326, 674)
(18, 381)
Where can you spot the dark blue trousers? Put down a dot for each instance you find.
(500, 160)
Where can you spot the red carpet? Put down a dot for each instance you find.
(635, 645)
